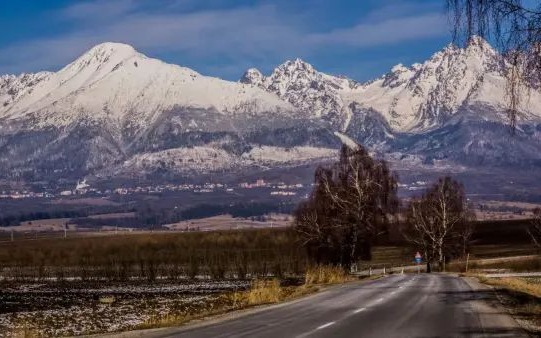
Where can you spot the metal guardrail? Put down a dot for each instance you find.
(390, 270)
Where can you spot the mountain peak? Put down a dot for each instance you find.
(480, 48)
(104, 53)
(478, 41)
(296, 65)
(252, 76)
(109, 49)
(111, 45)
(399, 68)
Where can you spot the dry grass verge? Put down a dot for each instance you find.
(531, 286)
(262, 292)
(323, 274)
(526, 264)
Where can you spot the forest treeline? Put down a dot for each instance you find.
(146, 216)
(14, 220)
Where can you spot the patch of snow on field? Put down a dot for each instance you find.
(75, 309)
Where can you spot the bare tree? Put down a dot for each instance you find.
(515, 27)
(439, 222)
(535, 228)
(348, 208)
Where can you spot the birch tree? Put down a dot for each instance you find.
(350, 206)
(439, 222)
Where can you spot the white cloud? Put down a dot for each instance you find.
(385, 32)
(258, 32)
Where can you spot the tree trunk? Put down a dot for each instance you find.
(352, 254)
(440, 257)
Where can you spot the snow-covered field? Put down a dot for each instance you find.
(76, 308)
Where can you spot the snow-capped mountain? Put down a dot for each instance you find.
(409, 109)
(113, 81)
(113, 103)
(114, 111)
(425, 96)
(410, 99)
(298, 83)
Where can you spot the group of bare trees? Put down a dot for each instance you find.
(350, 205)
(354, 201)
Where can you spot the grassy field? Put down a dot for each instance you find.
(227, 222)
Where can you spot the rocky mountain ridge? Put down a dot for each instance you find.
(115, 112)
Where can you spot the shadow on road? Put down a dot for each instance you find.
(522, 306)
(494, 332)
(455, 297)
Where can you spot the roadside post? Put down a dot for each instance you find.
(418, 260)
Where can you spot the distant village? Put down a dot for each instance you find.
(82, 188)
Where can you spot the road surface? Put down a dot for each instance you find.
(414, 305)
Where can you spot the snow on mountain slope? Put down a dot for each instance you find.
(451, 107)
(207, 159)
(273, 155)
(180, 160)
(12, 87)
(116, 111)
(425, 96)
(307, 89)
(410, 99)
(113, 81)
(113, 103)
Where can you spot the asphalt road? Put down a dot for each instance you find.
(423, 305)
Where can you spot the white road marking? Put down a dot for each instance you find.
(392, 293)
(359, 310)
(379, 300)
(325, 325)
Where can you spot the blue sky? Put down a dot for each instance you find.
(361, 39)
